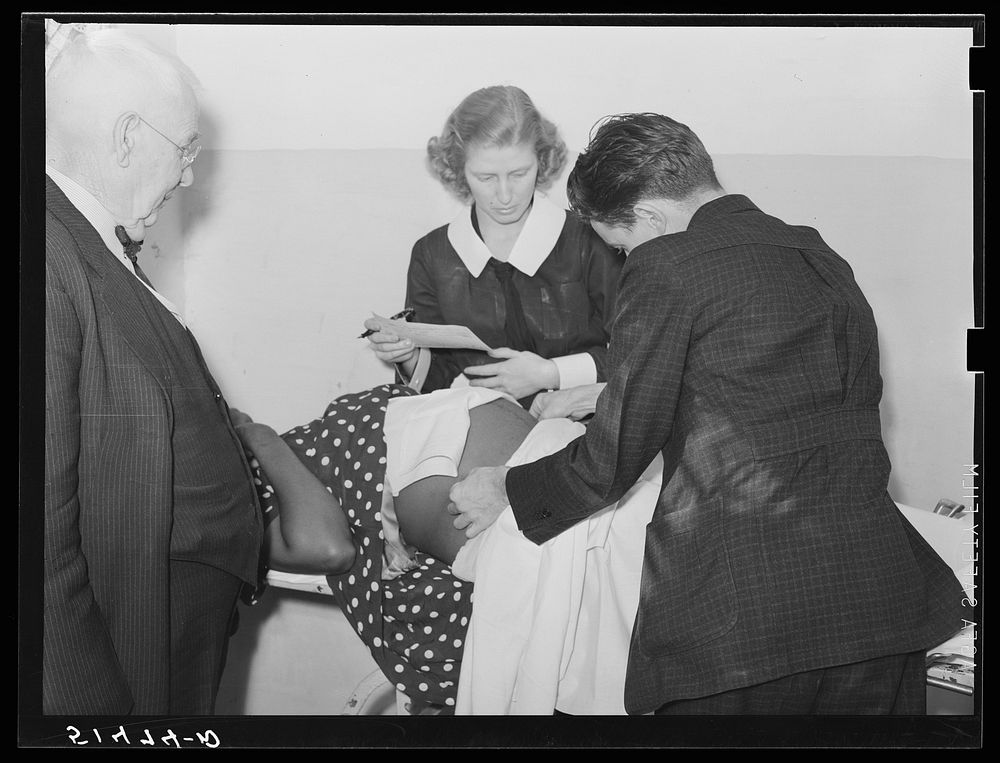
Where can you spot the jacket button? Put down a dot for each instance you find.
(546, 513)
(218, 396)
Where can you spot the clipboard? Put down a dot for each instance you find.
(433, 335)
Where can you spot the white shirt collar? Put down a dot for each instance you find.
(537, 238)
(104, 223)
(94, 212)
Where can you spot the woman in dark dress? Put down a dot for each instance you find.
(527, 277)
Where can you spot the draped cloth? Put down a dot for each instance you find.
(552, 622)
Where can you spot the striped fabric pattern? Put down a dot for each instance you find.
(110, 467)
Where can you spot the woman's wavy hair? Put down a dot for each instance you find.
(501, 115)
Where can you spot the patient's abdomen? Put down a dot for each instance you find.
(496, 430)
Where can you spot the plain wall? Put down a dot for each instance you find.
(311, 190)
(840, 91)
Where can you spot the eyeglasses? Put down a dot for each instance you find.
(188, 154)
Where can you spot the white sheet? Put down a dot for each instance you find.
(551, 624)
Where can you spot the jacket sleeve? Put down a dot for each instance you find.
(634, 416)
(80, 669)
(604, 266)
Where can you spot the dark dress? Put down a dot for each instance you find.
(414, 626)
(568, 303)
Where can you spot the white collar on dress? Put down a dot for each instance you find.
(537, 238)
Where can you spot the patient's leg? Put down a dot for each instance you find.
(496, 430)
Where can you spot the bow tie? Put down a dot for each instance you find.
(130, 247)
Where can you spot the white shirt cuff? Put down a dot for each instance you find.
(416, 380)
(576, 369)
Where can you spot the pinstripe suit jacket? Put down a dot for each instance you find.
(112, 466)
(744, 350)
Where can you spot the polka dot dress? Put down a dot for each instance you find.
(413, 625)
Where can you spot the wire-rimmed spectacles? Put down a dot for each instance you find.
(188, 153)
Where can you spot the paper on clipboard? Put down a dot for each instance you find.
(434, 335)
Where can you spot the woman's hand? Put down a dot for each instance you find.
(519, 374)
(388, 347)
(574, 403)
(239, 418)
(251, 434)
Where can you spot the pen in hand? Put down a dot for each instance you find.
(406, 313)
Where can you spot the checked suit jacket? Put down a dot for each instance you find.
(745, 352)
(142, 466)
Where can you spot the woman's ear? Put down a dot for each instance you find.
(124, 137)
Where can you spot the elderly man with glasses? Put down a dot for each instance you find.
(151, 521)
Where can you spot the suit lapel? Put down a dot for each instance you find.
(123, 297)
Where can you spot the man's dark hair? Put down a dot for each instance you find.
(633, 157)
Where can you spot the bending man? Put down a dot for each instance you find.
(779, 576)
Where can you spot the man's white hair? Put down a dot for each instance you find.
(126, 52)
(102, 73)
